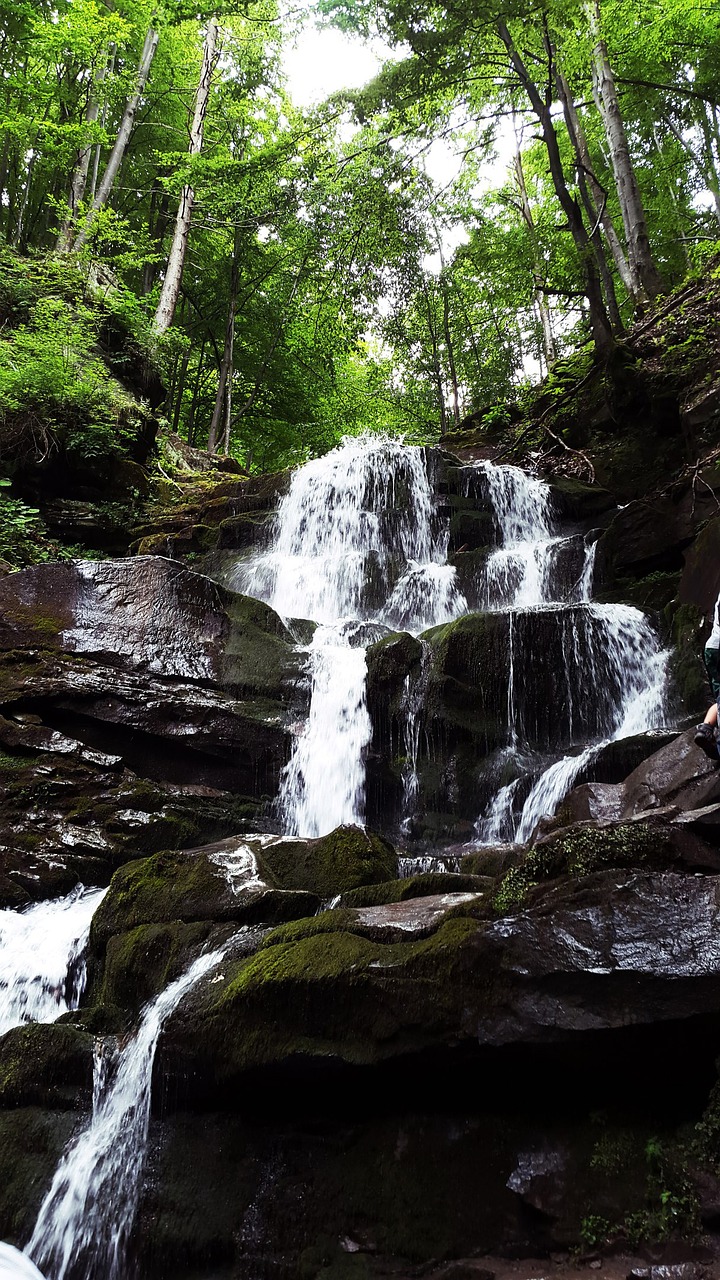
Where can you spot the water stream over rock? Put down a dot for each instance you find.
(358, 540)
(86, 1217)
(42, 969)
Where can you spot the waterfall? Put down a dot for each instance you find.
(357, 539)
(85, 1220)
(610, 679)
(413, 701)
(42, 969)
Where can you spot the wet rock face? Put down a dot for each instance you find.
(139, 703)
(679, 775)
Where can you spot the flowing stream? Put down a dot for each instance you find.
(86, 1217)
(359, 548)
(42, 966)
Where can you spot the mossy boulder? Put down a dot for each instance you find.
(318, 995)
(191, 886)
(346, 859)
(493, 860)
(420, 886)
(139, 964)
(583, 849)
(46, 1064)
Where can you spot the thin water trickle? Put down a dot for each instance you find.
(42, 968)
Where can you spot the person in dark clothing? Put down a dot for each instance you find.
(706, 734)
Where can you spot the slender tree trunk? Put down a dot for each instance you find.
(679, 222)
(224, 391)
(594, 216)
(176, 259)
(540, 297)
(81, 168)
(124, 132)
(4, 159)
(196, 393)
(451, 357)
(596, 191)
(20, 224)
(647, 282)
(229, 388)
(436, 366)
(599, 323)
(711, 172)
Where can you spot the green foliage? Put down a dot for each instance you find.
(579, 853)
(56, 392)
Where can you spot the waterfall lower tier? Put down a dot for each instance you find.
(86, 1217)
(42, 970)
(323, 785)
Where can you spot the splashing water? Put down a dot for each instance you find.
(609, 676)
(87, 1215)
(42, 970)
(357, 539)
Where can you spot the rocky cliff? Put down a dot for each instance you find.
(415, 1050)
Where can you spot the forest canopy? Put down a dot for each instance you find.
(296, 274)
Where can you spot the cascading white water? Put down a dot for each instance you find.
(357, 540)
(42, 970)
(611, 676)
(86, 1217)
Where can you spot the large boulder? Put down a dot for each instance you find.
(220, 882)
(333, 864)
(147, 614)
(133, 676)
(604, 951)
(678, 775)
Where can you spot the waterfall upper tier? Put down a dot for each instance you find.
(362, 537)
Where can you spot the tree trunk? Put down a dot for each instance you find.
(196, 393)
(176, 260)
(229, 389)
(647, 283)
(117, 154)
(19, 231)
(81, 168)
(711, 172)
(596, 191)
(599, 323)
(451, 356)
(224, 391)
(540, 298)
(594, 214)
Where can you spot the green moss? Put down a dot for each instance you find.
(44, 1063)
(319, 995)
(165, 887)
(334, 921)
(14, 763)
(140, 963)
(421, 886)
(580, 852)
(345, 859)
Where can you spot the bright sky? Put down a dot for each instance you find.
(323, 61)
